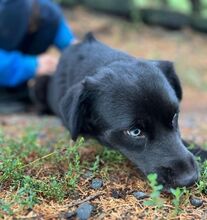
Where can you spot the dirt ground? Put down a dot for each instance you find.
(188, 50)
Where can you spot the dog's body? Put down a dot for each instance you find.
(126, 103)
(80, 61)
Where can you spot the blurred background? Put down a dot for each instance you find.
(173, 30)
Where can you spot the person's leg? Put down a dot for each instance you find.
(13, 100)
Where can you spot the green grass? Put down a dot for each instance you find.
(154, 199)
(202, 183)
(23, 159)
(5, 208)
(177, 193)
(31, 171)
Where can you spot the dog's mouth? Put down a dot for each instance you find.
(167, 181)
(167, 178)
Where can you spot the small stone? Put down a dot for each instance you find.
(196, 201)
(87, 174)
(118, 194)
(69, 215)
(84, 211)
(140, 195)
(96, 183)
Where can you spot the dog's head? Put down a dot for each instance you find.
(134, 107)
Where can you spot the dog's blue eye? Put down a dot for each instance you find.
(175, 121)
(135, 133)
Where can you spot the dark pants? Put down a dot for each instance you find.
(14, 100)
(19, 93)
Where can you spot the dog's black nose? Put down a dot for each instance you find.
(187, 180)
(188, 172)
(180, 172)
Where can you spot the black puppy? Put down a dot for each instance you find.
(126, 103)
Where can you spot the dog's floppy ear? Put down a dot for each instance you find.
(74, 108)
(168, 70)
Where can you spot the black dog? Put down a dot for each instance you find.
(126, 103)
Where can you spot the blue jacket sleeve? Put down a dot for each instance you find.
(16, 68)
(64, 36)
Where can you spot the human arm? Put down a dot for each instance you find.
(17, 68)
(64, 36)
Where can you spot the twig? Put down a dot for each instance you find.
(84, 200)
(38, 159)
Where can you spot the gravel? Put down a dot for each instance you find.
(69, 215)
(96, 183)
(196, 201)
(84, 211)
(140, 195)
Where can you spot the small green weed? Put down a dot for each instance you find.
(10, 170)
(112, 156)
(74, 166)
(177, 193)
(109, 158)
(5, 208)
(202, 183)
(54, 189)
(96, 164)
(154, 199)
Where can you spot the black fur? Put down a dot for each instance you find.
(108, 95)
(38, 93)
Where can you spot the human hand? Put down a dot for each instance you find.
(46, 64)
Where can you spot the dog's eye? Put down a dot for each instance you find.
(135, 133)
(175, 120)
